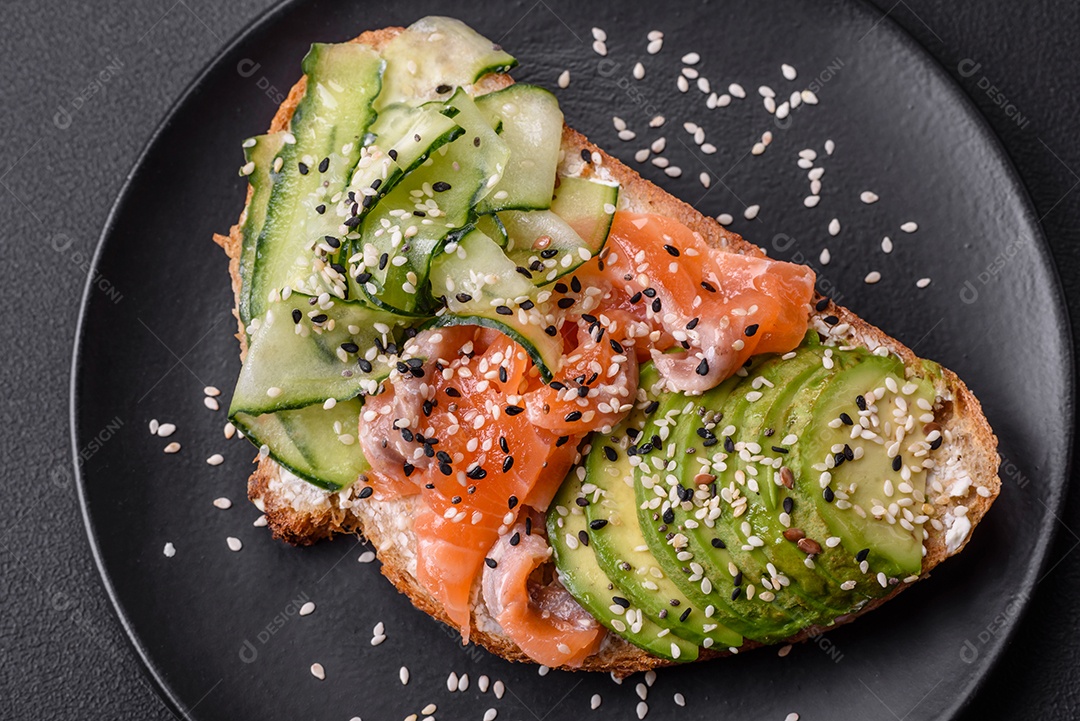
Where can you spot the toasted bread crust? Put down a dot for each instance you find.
(303, 515)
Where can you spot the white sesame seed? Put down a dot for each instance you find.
(165, 430)
(868, 197)
(792, 717)
(825, 256)
(627, 135)
(811, 200)
(708, 148)
(429, 709)
(725, 219)
(490, 714)
(498, 689)
(706, 179)
(691, 58)
(211, 391)
(215, 460)
(886, 244)
(909, 227)
(788, 71)
(922, 282)
(782, 110)
(169, 550)
(758, 149)
(564, 79)
(483, 683)
(366, 557)
(690, 73)
(318, 671)
(173, 447)
(599, 34)
(682, 84)
(655, 46)
(642, 691)
(377, 640)
(642, 155)
(260, 522)
(222, 503)
(655, 35)
(403, 675)
(595, 702)
(830, 146)
(784, 651)
(599, 47)
(770, 105)
(751, 212)
(234, 543)
(809, 98)
(618, 122)
(639, 71)
(736, 90)
(452, 682)
(872, 277)
(834, 227)
(642, 709)
(273, 391)
(229, 430)
(657, 121)
(673, 171)
(703, 85)
(680, 700)
(307, 609)
(247, 168)
(766, 92)
(211, 403)
(154, 426)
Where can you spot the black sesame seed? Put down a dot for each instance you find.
(651, 408)
(365, 364)
(831, 319)
(656, 305)
(508, 463)
(822, 305)
(320, 208)
(491, 562)
(515, 539)
(303, 168)
(477, 473)
(669, 516)
(561, 441)
(392, 153)
(751, 330)
(702, 368)
(573, 416)
(350, 347)
(846, 419)
(672, 250)
(828, 495)
(583, 536)
(551, 330)
(320, 318)
(440, 186)
(620, 601)
(366, 491)
(442, 89)
(503, 310)
(735, 593)
(586, 155)
(597, 524)
(297, 316)
(512, 502)
(463, 297)
(549, 253)
(581, 501)
(324, 165)
(685, 614)
(446, 469)
(513, 410)
(708, 286)
(860, 402)
(789, 504)
(616, 346)
(861, 555)
(717, 543)
(897, 462)
(575, 284)
(692, 324)
(565, 303)
(779, 449)
(611, 453)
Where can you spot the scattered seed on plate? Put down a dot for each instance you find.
(725, 219)
(599, 47)
(154, 425)
(482, 683)
(811, 201)
(658, 145)
(403, 674)
(642, 709)
(463, 682)
(691, 58)
(173, 447)
(543, 670)
(706, 179)
(498, 689)
(809, 97)
(215, 460)
(886, 244)
(260, 522)
(452, 682)
(599, 34)
(234, 543)
(165, 430)
(318, 671)
(784, 651)
(682, 83)
(655, 46)
(922, 282)
(211, 403)
(830, 146)
(627, 135)
(736, 90)
(366, 557)
(868, 197)
(834, 226)
(639, 71)
(909, 227)
(657, 121)
(595, 702)
(792, 717)
(872, 277)
(642, 155)
(222, 503)
(673, 171)
(564, 79)
(680, 700)
(307, 609)
(211, 391)
(825, 256)
(788, 71)
(490, 714)
(230, 430)
(766, 92)
(642, 691)
(169, 550)
(751, 212)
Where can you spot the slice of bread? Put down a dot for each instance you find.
(959, 491)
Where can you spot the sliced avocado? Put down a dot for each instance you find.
(581, 574)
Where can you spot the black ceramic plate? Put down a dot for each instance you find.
(219, 631)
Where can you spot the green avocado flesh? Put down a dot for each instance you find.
(786, 497)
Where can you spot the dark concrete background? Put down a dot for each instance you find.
(62, 651)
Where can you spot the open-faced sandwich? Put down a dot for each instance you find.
(579, 421)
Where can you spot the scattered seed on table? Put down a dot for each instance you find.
(564, 79)
(165, 430)
(805, 163)
(868, 197)
(830, 146)
(154, 425)
(766, 92)
(642, 691)
(872, 277)
(595, 702)
(706, 179)
(682, 83)
(815, 187)
(169, 550)
(655, 46)
(618, 122)
(770, 105)
(211, 391)
(429, 709)
(627, 135)
(234, 543)
(599, 47)
(639, 71)
(922, 282)
(758, 149)
(376, 640)
(483, 683)
(673, 171)
(811, 201)
(680, 700)
(909, 227)
(708, 148)
(403, 675)
(725, 219)
(825, 256)
(784, 651)
(260, 522)
(499, 689)
(211, 403)
(834, 226)
(490, 714)
(736, 90)
(655, 35)
(661, 162)
(222, 503)
(782, 110)
(452, 682)
(463, 682)
(886, 244)
(229, 430)
(215, 460)
(642, 709)
(318, 672)
(543, 670)
(657, 121)
(691, 58)
(173, 447)
(792, 717)
(788, 71)
(809, 98)
(703, 85)
(658, 145)
(650, 678)
(751, 212)
(599, 34)
(366, 557)
(642, 155)
(723, 101)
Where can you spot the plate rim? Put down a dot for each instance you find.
(984, 132)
